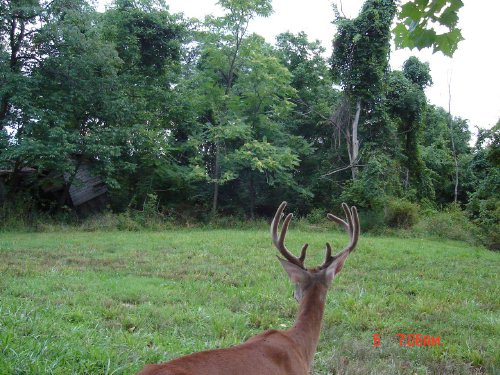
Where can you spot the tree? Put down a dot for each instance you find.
(270, 153)
(359, 62)
(406, 102)
(149, 42)
(95, 89)
(19, 24)
(438, 156)
(57, 64)
(220, 65)
(484, 203)
(417, 72)
(310, 117)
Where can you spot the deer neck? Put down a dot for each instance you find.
(307, 326)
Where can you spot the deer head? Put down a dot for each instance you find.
(304, 278)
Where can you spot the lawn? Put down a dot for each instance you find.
(110, 302)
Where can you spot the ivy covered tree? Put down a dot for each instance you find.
(406, 102)
(438, 155)
(359, 62)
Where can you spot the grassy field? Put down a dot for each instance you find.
(109, 302)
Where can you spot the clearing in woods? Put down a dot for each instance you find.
(110, 302)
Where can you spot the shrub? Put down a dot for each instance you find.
(316, 216)
(372, 220)
(400, 213)
(16, 214)
(451, 223)
(488, 220)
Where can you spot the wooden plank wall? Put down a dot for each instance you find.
(86, 186)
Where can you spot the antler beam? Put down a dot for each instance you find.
(351, 226)
(279, 240)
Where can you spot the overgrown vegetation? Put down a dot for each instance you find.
(206, 119)
(109, 302)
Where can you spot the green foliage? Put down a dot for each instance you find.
(317, 216)
(377, 181)
(451, 223)
(400, 213)
(310, 116)
(405, 98)
(243, 92)
(407, 105)
(421, 23)
(361, 49)
(174, 114)
(484, 202)
(437, 154)
(417, 72)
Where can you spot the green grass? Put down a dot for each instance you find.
(109, 302)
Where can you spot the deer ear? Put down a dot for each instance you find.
(333, 269)
(296, 274)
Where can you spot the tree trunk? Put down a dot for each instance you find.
(15, 42)
(216, 180)
(455, 158)
(354, 154)
(252, 197)
(407, 179)
(4, 109)
(14, 182)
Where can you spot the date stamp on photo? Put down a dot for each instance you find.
(412, 339)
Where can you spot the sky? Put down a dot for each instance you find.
(473, 72)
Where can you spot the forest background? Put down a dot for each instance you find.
(190, 121)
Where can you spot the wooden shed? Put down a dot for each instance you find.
(87, 192)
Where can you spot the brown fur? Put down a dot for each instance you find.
(270, 353)
(289, 352)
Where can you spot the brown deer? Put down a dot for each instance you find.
(273, 352)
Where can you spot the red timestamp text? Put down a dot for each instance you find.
(412, 339)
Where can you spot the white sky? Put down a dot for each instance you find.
(474, 68)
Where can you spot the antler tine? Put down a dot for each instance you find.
(351, 226)
(279, 241)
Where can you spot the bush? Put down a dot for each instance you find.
(372, 220)
(451, 223)
(400, 213)
(17, 214)
(488, 220)
(316, 216)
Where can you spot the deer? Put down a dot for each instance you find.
(278, 352)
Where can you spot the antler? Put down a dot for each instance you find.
(352, 228)
(279, 241)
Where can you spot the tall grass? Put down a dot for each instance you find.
(398, 218)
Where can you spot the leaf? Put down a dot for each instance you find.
(449, 18)
(423, 38)
(415, 27)
(410, 10)
(448, 42)
(436, 6)
(401, 36)
(422, 4)
(455, 5)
